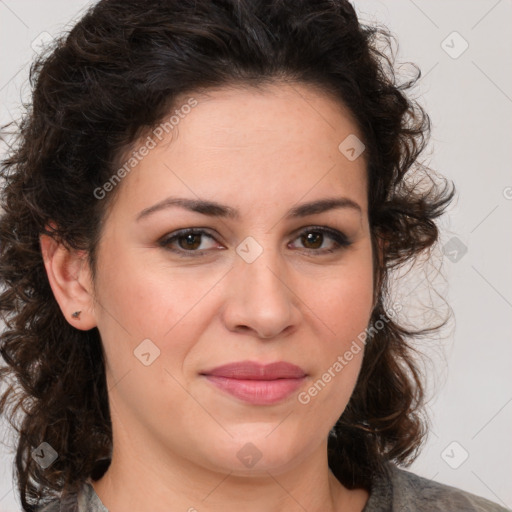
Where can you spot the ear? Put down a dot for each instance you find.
(378, 259)
(70, 279)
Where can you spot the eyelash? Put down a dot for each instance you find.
(341, 241)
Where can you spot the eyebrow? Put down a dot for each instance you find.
(214, 209)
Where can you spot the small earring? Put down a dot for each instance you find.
(76, 314)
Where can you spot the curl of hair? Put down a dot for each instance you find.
(117, 74)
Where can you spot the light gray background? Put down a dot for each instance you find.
(469, 99)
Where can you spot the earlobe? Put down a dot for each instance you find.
(70, 279)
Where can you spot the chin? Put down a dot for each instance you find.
(250, 453)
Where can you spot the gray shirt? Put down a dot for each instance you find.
(396, 490)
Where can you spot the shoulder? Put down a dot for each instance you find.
(83, 500)
(53, 506)
(405, 491)
(67, 502)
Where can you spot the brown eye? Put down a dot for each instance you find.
(312, 240)
(188, 242)
(314, 237)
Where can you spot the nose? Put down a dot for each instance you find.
(261, 298)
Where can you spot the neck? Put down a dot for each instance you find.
(135, 480)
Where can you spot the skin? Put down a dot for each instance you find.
(176, 436)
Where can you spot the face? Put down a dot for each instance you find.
(254, 280)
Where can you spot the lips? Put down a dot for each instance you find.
(256, 383)
(255, 371)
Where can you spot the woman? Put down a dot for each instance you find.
(200, 219)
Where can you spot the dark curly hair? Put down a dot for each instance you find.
(117, 73)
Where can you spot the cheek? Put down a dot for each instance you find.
(147, 299)
(343, 301)
(142, 300)
(344, 311)
(349, 305)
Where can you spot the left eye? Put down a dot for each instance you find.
(189, 241)
(316, 236)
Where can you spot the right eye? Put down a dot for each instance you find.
(186, 242)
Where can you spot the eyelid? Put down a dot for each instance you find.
(169, 237)
(339, 238)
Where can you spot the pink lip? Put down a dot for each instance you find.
(255, 383)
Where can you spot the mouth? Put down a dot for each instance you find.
(255, 383)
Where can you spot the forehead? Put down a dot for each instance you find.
(277, 117)
(276, 143)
